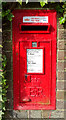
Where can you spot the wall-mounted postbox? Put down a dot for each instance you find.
(34, 59)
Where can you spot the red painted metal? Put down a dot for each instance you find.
(35, 90)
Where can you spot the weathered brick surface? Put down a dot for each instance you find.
(65, 55)
(0, 21)
(9, 104)
(61, 55)
(61, 45)
(8, 119)
(64, 95)
(60, 94)
(7, 46)
(61, 75)
(65, 66)
(8, 114)
(20, 114)
(21, 119)
(64, 85)
(14, 114)
(35, 114)
(0, 40)
(0, 32)
(60, 85)
(9, 75)
(5, 24)
(6, 36)
(23, 114)
(53, 114)
(17, 119)
(60, 66)
(9, 95)
(65, 104)
(60, 105)
(57, 114)
(24, 119)
(65, 114)
(46, 113)
(61, 34)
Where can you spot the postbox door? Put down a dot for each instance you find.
(35, 72)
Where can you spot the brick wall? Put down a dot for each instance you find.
(61, 74)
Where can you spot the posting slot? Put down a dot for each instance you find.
(34, 28)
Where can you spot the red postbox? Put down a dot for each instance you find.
(34, 59)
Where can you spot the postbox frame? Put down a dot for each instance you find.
(16, 49)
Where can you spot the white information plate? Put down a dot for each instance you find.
(34, 60)
(35, 19)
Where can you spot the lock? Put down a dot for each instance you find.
(27, 78)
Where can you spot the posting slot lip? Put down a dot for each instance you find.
(34, 28)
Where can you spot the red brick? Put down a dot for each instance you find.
(65, 66)
(22, 114)
(65, 96)
(60, 55)
(60, 94)
(61, 45)
(60, 66)
(35, 114)
(64, 85)
(60, 105)
(61, 34)
(65, 104)
(57, 114)
(60, 85)
(64, 75)
(61, 75)
(46, 113)
(65, 45)
(53, 114)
